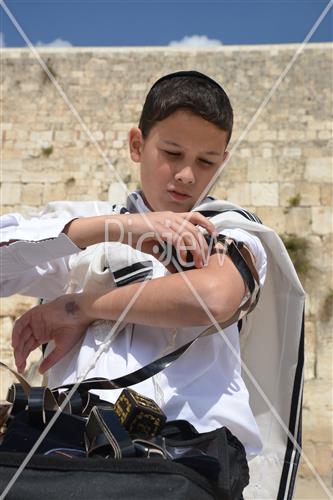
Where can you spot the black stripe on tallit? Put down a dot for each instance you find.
(297, 394)
(134, 279)
(245, 213)
(145, 265)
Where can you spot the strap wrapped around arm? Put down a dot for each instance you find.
(242, 259)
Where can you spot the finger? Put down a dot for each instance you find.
(181, 248)
(176, 239)
(201, 220)
(196, 247)
(26, 334)
(30, 346)
(21, 367)
(19, 326)
(51, 360)
(21, 360)
(184, 242)
(196, 244)
(22, 354)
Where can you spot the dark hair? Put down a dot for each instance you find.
(187, 89)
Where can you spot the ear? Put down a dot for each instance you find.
(135, 140)
(226, 156)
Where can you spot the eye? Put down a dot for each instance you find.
(206, 162)
(172, 153)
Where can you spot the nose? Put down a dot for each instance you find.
(185, 175)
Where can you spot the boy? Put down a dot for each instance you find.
(180, 144)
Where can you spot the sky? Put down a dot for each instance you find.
(198, 23)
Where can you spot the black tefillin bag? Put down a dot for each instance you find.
(91, 449)
(97, 450)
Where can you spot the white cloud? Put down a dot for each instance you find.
(2, 40)
(196, 41)
(58, 42)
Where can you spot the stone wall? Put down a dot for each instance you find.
(71, 148)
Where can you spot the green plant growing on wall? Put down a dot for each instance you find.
(70, 182)
(294, 201)
(47, 150)
(298, 250)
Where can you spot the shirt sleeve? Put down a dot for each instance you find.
(255, 246)
(34, 255)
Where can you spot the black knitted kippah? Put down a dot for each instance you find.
(196, 74)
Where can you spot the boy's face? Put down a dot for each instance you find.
(178, 159)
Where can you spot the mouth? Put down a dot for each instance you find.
(178, 196)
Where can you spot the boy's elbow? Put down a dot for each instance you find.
(223, 303)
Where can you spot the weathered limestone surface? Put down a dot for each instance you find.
(282, 169)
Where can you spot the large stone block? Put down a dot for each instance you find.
(326, 194)
(319, 169)
(322, 222)
(239, 194)
(10, 193)
(262, 170)
(264, 193)
(317, 410)
(32, 194)
(291, 170)
(65, 136)
(273, 217)
(292, 152)
(41, 136)
(54, 192)
(310, 193)
(298, 221)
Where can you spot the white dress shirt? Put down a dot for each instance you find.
(204, 386)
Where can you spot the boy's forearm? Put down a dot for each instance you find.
(92, 230)
(167, 302)
(164, 302)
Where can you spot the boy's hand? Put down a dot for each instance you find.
(144, 232)
(61, 320)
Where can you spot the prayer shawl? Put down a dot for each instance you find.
(271, 337)
(272, 349)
